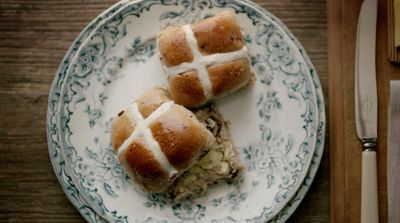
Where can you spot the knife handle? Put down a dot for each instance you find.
(369, 188)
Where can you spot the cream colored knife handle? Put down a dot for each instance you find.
(369, 188)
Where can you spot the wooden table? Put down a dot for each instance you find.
(345, 146)
(34, 36)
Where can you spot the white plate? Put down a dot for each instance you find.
(278, 124)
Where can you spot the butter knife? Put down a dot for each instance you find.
(366, 106)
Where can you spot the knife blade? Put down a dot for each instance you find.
(366, 107)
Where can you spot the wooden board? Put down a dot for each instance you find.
(34, 36)
(345, 146)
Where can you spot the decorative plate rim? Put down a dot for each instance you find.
(80, 203)
(64, 136)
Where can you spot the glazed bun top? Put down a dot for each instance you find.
(157, 140)
(204, 60)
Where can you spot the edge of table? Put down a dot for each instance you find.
(342, 17)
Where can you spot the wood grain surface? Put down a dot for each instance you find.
(345, 146)
(34, 36)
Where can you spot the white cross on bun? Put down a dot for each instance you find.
(167, 148)
(205, 60)
(157, 140)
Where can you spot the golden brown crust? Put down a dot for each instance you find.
(186, 89)
(182, 139)
(218, 34)
(181, 136)
(229, 76)
(144, 166)
(122, 126)
(151, 99)
(173, 46)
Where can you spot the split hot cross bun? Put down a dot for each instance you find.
(157, 140)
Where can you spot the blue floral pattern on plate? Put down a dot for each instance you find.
(279, 134)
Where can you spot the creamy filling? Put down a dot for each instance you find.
(221, 162)
(142, 130)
